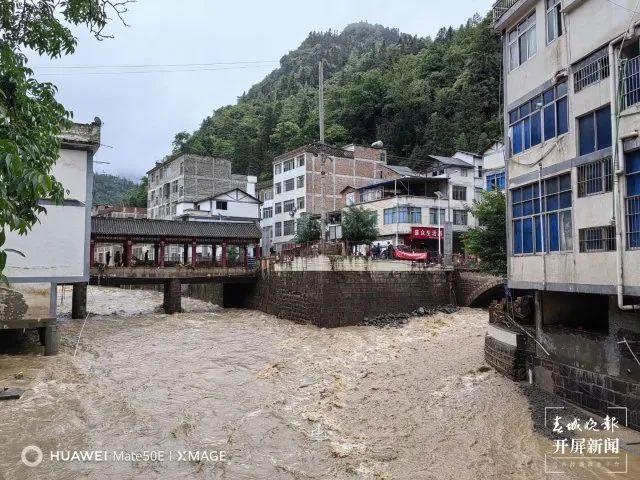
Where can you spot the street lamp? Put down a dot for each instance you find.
(439, 195)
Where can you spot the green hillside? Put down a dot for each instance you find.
(110, 189)
(417, 95)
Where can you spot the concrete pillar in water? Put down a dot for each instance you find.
(79, 300)
(172, 296)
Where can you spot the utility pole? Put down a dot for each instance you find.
(322, 154)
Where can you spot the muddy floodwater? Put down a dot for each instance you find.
(274, 399)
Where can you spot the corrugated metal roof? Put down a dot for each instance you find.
(402, 170)
(451, 161)
(171, 228)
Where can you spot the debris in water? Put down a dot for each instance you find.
(11, 393)
(400, 319)
(18, 375)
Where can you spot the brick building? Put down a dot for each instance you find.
(303, 184)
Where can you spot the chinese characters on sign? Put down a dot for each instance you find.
(582, 447)
(426, 233)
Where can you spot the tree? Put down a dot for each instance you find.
(31, 119)
(359, 226)
(137, 196)
(307, 229)
(489, 240)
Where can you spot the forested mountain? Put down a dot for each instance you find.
(110, 189)
(418, 95)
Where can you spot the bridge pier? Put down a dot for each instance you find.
(79, 300)
(172, 296)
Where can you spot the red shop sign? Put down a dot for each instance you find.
(426, 233)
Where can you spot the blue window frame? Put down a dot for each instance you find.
(495, 181)
(632, 167)
(546, 114)
(550, 229)
(594, 131)
(402, 215)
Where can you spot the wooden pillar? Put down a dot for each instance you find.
(185, 253)
(92, 253)
(245, 251)
(127, 253)
(224, 254)
(213, 255)
(161, 255)
(193, 254)
(156, 253)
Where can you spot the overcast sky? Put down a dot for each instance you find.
(141, 113)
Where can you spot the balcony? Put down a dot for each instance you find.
(501, 7)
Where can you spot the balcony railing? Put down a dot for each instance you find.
(630, 82)
(501, 7)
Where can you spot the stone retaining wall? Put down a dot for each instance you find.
(340, 298)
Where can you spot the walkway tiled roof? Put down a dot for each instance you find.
(168, 228)
(451, 161)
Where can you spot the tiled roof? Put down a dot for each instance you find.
(170, 228)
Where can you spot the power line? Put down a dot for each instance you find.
(132, 72)
(153, 65)
(622, 7)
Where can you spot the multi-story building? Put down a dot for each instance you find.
(572, 117)
(493, 171)
(179, 186)
(190, 178)
(310, 180)
(407, 207)
(264, 191)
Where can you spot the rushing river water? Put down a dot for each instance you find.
(281, 400)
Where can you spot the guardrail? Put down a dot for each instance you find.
(501, 7)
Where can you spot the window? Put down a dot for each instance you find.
(289, 184)
(464, 172)
(433, 216)
(301, 160)
(288, 165)
(550, 229)
(288, 228)
(594, 130)
(174, 186)
(630, 76)
(460, 217)
(300, 182)
(181, 191)
(277, 169)
(350, 198)
(632, 166)
(459, 193)
(278, 188)
(267, 212)
(522, 41)
(592, 70)
(278, 208)
(595, 177)
(289, 205)
(479, 171)
(278, 229)
(495, 181)
(221, 205)
(300, 203)
(546, 114)
(597, 239)
(554, 20)
(266, 195)
(403, 214)
(370, 195)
